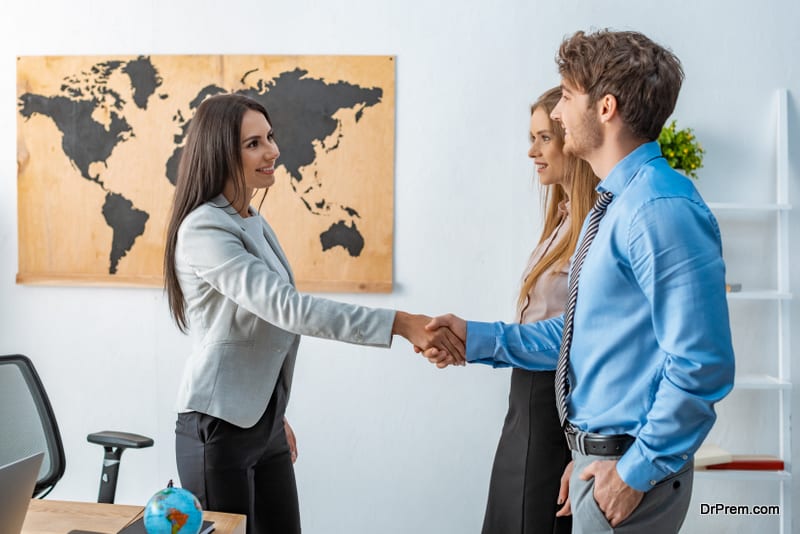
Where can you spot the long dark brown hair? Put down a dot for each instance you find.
(581, 181)
(212, 154)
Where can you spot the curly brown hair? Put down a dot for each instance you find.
(644, 77)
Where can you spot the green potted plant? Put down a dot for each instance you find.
(681, 149)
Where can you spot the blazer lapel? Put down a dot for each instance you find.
(272, 240)
(269, 251)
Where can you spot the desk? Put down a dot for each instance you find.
(59, 517)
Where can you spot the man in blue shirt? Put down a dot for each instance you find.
(650, 349)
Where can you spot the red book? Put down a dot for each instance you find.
(751, 462)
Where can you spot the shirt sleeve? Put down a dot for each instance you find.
(675, 251)
(531, 346)
(215, 253)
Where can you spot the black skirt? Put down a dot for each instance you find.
(529, 462)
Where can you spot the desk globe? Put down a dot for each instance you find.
(173, 511)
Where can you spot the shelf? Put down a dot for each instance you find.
(732, 206)
(732, 474)
(767, 294)
(778, 212)
(760, 381)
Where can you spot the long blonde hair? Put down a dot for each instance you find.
(582, 182)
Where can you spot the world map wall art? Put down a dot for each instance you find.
(99, 140)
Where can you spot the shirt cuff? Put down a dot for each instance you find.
(481, 341)
(637, 471)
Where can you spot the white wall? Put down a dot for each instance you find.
(387, 443)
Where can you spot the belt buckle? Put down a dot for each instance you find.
(574, 440)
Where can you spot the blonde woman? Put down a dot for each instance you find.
(532, 451)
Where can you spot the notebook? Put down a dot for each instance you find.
(17, 481)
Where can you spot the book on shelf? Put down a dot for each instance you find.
(733, 287)
(750, 462)
(711, 453)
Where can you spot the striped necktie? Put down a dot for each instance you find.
(562, 387)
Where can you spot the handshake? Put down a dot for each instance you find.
(442, 340)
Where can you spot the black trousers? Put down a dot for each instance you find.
(529, 462)
(241, 470)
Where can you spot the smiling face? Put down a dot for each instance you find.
(582, 132)
(546, 149)
(259, 151)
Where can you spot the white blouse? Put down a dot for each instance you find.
(548, 296)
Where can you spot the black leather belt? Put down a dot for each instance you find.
(597, 444)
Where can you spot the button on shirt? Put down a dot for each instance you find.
(651, 351)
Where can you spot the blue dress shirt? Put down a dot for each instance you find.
(651, 351)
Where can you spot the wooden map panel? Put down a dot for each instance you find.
(99, 138)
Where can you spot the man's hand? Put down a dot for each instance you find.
(458, 327)
(290, 439)
(616, 499)
(448, 346)
(563, 492)
(456, 324)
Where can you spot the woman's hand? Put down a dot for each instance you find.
(458, 326)
(412, 327)
(563, 492)
(290, 439)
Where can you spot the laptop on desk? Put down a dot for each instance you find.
(17, 481)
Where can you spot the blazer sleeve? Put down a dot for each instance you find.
(212, 247)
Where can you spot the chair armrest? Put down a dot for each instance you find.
(125, 440)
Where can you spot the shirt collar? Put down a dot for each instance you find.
(624, 171)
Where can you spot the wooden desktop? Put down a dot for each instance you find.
(60, 517)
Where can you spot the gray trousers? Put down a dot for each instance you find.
(661, 511)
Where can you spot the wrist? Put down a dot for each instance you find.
(400, 325)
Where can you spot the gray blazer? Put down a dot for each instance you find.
(246, 317)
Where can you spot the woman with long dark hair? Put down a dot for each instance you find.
(230, 285)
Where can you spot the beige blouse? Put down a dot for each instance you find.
(548, 296)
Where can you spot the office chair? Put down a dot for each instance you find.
(28, 425)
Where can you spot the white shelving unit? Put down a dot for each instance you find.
(779, 384)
